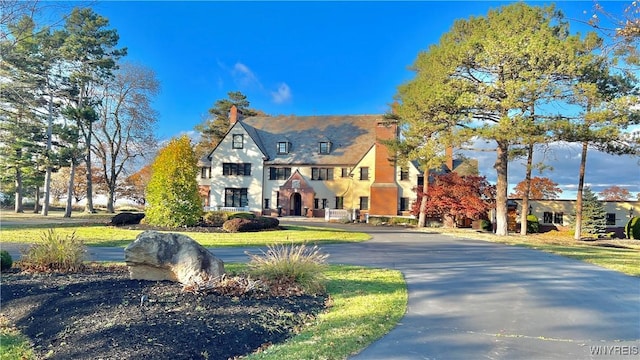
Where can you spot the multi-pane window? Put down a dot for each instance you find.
(557, 218)
(364, 203)
(325, 147)
(235, 197)
(364, 173)
(237, 141)
(243, 169)
(277, 173)
(344, 172)
(316, 203)
(404, 173)
(283, 147)
(324, 203)
(339, 202)
(321, 173)
(404, 204)
(611, 218)
(552, 218)
(266, 203)
(205, 173)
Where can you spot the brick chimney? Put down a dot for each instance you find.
(384, 190)
(233, 115)
(449, 157)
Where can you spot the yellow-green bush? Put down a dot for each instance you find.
(172, 194)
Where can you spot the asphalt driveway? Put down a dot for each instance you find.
(471, 299)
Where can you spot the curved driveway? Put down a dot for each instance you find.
(472, 299)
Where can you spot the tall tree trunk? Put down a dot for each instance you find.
(111, 199)
(47, 176)
(501, 166)
(422, 216)
(72, 174)
(527, 191)
(583, 165)
(36, 206)
(18, 194)
(89, 206)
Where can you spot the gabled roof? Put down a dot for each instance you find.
(351, 136)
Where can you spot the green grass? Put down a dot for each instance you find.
(103, 235)
(13, 345)
(366, 304)
(623, 260)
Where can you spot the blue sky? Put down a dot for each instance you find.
(299, 58)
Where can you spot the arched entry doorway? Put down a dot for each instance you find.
(296, 204)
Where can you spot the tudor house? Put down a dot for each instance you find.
(305, 165)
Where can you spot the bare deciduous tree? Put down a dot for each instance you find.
(126, 122)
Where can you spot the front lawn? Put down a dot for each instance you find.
(103, 235)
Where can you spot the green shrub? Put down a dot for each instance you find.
(533, 225)
(216, 218)
(486, 225)
(241, 215)
(632, 229)
(6, 261)
(299, 264)
(54, 253)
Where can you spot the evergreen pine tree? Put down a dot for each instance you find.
(593, 213)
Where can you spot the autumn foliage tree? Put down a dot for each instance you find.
(172, 193)
(453, 197)
(542, 188)
(135, 184)
(615, 193)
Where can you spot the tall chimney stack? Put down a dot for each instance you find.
(233, 115)
(449, 157)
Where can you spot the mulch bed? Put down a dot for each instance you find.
(101, 314)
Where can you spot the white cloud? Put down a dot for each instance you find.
(283, 94)
(602, 170)
(244, 76)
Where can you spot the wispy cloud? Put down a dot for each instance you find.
(246, 79)
(244, 76)
(283, 94)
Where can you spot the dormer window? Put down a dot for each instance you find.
(283, 147)
(238, 141)
(325, 147)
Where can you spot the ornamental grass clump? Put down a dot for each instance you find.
(54, 252)
(299, 264)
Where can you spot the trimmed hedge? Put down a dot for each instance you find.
(632, 229)
(533, 225)
(6, 261)
(247, 225)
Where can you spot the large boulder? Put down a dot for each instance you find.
(170, 256)
(127, 218)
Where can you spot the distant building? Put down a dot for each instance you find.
(559, 214)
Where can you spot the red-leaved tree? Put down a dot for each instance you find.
(615, 193)
(452, 198)
(542, 188)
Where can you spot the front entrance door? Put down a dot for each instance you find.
(296, 204)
